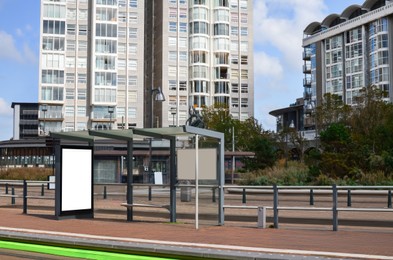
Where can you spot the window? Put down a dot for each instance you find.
(133, 3)
(221, 29)
(52, 43)
(53, 27)
(133, 17)
(82, 29)
(70, 45)
(132, 80)
(106, 30)
(54, 11)
(81, 111)
(50, 60)
(132, 112)
(121, 64)
(132, 64)
(52, 76)
(82, 78)
(244, 31)
(70, 93)
(69, 111)
(172, 41)
(106, 46)
(105, 78)
(172, 56)
(82, 46)
(70, 77)
(172, 27)
(121, 80)
(132, 33)
(132, 96)
(183, 56)
(71, 29)
(81, 94)
(52, 93)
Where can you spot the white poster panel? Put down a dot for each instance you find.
(76, 183)
(158, 178)
(207, 166)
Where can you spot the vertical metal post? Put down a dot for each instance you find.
(130, 167)
(349, 199)
(311, 197)
(213, 194)
(172, 179)
(105, 195)
(42, 190)
(390, 199)
(221, 179)
(149, 193)
(275, 205)
(24, 197)
(244, 199)
(335, 215)
(6, 188)
(13, 195)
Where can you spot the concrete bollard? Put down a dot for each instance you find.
(261, 217)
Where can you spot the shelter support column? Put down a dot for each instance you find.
(173, 179)
(130, 166)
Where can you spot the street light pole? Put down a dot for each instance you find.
(44, 108)
(111, 109)
(173, 112)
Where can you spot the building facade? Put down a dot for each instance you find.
(101, 61)
(346, 52)
(25, 120)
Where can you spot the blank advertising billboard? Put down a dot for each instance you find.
(207, 166)
(76, 180)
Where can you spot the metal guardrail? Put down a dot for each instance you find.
(333, 191)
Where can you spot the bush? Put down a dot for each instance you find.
(36, 174)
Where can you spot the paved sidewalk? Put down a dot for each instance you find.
(226, 242)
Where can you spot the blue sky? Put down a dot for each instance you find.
(278, 30)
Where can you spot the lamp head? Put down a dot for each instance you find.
(159, 95)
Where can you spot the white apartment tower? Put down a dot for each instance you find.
(102, 61)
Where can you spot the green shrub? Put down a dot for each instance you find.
(36, 174)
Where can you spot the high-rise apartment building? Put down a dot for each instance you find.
(103, 61)
(348, 51)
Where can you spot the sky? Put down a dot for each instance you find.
(278, 33)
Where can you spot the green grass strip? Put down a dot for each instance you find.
(71, 252)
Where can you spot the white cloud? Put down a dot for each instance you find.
(8, 49)
(19, 32)
(5, 108)
(280, 23)
(265, 65)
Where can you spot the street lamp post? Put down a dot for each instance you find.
(158, 96)
(111, 109)
(44, 108)
(173, 112)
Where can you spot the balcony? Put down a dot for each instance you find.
(307, 82)
(307, 54)
(307, 68)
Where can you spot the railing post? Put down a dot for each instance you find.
(42, 190)
(390, 199)
(349, 199)
(275, 205)
(24, 197)
(261, 217)
(150, 193)
(335, 215)
(105, 195)
(6, 188)
(13, 194)
(213, 194)
(311, 197)
(244, 198)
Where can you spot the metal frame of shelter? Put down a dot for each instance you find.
(167, 133)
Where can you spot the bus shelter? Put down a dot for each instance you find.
(168, 133)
